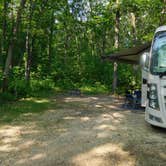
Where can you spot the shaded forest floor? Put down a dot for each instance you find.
(78, 131)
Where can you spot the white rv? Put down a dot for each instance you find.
(154, 80)
(153, 65)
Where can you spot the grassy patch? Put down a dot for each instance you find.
(13, 111)
(23, 109)
(94, 89)
(46, 93)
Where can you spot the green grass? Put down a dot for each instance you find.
(95, 89)
(14, 111)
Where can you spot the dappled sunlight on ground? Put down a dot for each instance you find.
(39, 156)
(105, 127)
(81, 131)
(81, 99)
(107, 154)
(10, 131)
(9, 135)
(36, 100)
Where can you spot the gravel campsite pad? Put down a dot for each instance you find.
(82, 131)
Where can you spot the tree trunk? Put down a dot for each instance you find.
(66, 32)
(11, 46)
(133, 24)
(103, 42)
(116, 45)
(4, 27)
(163, 12)
(50, 40)
(29, 57)
(29, 45)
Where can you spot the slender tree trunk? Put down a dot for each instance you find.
(11, 46)
(29, 44)
(50, 40)
(29, 57)
(133, 24)
(4, 27)
(66, 32)
(163, 12)
(103, 41)
(66, 46)
(77, 39)
(116, 45)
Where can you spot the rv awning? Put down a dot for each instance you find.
(128, 55)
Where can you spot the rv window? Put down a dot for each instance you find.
(158, 63)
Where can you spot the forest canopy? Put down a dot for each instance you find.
(45, 44)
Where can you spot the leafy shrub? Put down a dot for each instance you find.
(19, 88)
(96, 88)
(41, 85)
(66, 84)
(4, 97)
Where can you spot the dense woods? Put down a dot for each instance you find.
(47, 44)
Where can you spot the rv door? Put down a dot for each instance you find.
(145, 69)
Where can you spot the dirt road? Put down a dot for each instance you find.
(82, 131)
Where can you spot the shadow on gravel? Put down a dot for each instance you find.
(79, 131)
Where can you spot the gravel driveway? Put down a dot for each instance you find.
(82, 131)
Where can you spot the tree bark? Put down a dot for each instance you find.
(50, 40)
(29, 44)
(29, 57)
(163, 12)
(103, 42)
(11, 46)
(116, 45)
(4, 27)
(133, 24)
